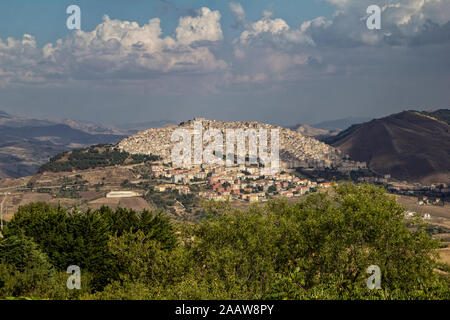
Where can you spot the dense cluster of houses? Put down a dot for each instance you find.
(295, 149)
(238, 182)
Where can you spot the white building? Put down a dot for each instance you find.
(122, 194)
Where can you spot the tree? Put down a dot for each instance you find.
(148, 270)
(23, 267)
(78, 238)
(226, 185)
(336, 237)
(81, 238)
(318, 248)
(21, 252)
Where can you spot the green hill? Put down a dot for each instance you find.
(93, 157)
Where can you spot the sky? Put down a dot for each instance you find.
(282, 62)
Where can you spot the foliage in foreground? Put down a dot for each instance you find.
(317, 249)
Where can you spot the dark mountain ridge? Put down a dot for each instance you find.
(340, 124)
(408, 145)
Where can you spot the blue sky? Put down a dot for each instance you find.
(283, 62)
(46, 19)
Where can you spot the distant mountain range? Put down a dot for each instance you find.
(326, 129)
(4, 115)
(340, 124)
(26, 144)
(310, 131)
(135, 127)
(411, 145)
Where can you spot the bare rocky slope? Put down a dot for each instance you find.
(410, 145)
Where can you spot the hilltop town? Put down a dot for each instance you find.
(296, 150)
(138, 173)
(240, 181)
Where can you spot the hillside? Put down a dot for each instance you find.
(408, 145)
(135, 127)
(442, 114)
(311, 131)
(294, 147)
(26, 144)
(340, 124)
(91, 158)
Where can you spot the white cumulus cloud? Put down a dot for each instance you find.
(403, 22)
(204, 27)
(239, 14)
(116, 49)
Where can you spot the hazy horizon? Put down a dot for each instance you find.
(128, 125)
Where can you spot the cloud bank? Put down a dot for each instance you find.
(266, 51)
(115, 49)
